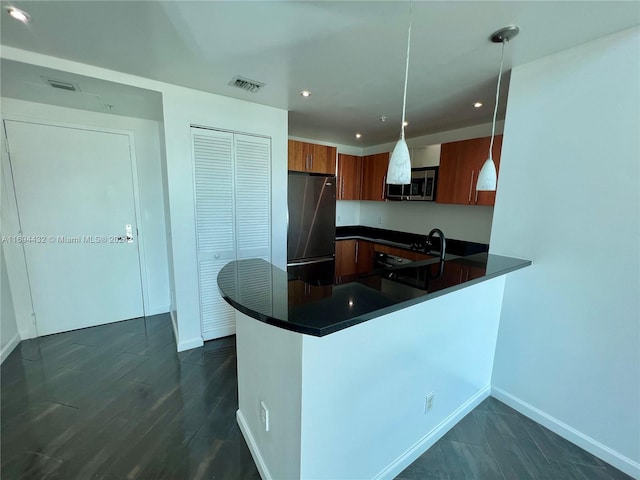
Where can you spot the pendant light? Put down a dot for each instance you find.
(399, 170)
(487, 179)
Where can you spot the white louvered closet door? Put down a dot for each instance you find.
(232, 174)
(253, 215)
(215, 225)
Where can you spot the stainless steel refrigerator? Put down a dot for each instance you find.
(312, 224)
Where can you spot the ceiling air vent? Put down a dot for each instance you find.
(68, 86)
(246, 84)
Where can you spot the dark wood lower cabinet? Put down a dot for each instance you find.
(353, 256)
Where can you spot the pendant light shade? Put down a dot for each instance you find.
(488, 177)
(399, 170)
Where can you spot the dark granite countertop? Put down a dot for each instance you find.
(409, 241)
(271, 295)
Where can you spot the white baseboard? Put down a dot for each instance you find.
(174, 324)
(422, 445)
(9, 347)
(220, 332)
(183, 344)
(26, 334)
(253, 447)
(621, 462)
(189, 344)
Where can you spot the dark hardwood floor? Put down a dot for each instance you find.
(117, 402)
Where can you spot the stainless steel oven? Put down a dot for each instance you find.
(422, 186)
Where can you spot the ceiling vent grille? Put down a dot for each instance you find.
(245, 84)
(68, 86)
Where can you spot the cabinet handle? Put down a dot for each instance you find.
(311, 161)
(473, 172)
(342, 189)
(357, 251)
(476, 202)
(384, 182)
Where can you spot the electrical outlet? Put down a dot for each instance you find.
(264, 416)
(428, 404)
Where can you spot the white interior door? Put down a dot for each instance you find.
(215, 225)
(75, 196)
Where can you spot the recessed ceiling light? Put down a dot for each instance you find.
(18, 14)
(477, 104)
(305, 93)
(358, 135)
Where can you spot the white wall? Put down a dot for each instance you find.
(148, 160)
(569, 343)
(347, 212)
(270, 371)
(462, 222)
(9, 336)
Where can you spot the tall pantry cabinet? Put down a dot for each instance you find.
(232, 183)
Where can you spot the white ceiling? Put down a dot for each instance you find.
(350, 54)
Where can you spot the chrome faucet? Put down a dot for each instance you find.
(443, 241)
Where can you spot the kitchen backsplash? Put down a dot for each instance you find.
(472, 223)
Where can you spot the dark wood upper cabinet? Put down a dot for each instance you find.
(374, 176)
(349, 177)
(309, 157)
(460, 164)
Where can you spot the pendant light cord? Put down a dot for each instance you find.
(406, 73)
(495, 109)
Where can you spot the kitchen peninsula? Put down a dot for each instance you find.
(335, 383)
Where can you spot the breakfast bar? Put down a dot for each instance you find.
(356, 379)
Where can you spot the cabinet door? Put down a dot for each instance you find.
(322, 159)
(364, 256)
(455, 175)
(349, 177)
(297, 156)
(374, 176)
(345, 257)
(460, 164)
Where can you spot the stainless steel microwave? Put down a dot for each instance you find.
(422, 186)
